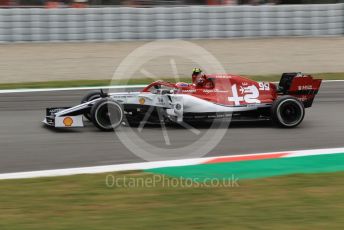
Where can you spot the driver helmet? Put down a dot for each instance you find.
(198, 76)
(196, 71)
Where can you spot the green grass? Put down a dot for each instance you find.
(313, 201)
(80, 83)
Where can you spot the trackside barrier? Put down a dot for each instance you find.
(191, 22)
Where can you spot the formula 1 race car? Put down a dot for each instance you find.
(216, 96)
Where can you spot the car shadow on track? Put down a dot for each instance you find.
(213, 125)
(60, 130)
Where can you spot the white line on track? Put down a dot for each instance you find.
(70, 88)
(151, 165)
(95, 87)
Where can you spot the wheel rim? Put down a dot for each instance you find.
(109, 115)
(290, 113)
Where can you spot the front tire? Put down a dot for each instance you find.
(107, 114)
(287, 111)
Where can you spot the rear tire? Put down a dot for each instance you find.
(90, 97)
(287, 111)
(107, 114)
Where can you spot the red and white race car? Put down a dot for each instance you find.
(208, 97)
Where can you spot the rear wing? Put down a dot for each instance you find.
(304, 87)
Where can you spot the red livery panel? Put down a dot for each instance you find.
(233, 90)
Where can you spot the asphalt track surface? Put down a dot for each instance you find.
(26, 145)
